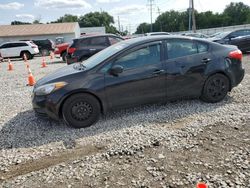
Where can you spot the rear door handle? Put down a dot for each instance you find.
(205, 60)
(157, 72)
(92, 49)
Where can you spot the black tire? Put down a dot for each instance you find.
(28, 55)
(44, 52)
(64, 56)
(81, 110)
(215, 89)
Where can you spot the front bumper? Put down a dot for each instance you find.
(44, 107)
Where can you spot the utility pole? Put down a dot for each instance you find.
(190, 15)
(151, 14)
(159, 12)
(119, 25)
(193, 16)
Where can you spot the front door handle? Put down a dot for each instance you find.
(157, 72)
(92, 49)
(205, 60)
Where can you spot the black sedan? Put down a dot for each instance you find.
(138, 71)
(239, 38)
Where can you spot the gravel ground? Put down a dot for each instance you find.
(173, 145)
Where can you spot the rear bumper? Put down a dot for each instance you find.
(239, 77)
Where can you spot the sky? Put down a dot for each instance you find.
(131, 12)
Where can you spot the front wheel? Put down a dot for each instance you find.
(215, 89)
(64, 56)
(81, 110)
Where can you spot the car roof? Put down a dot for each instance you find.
(98, 35)
(145, 39)
(16, 42)
(40, 39)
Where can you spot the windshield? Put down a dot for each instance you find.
(221, 35)
(104, 54)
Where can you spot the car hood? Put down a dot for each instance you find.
(61, 74)
(62, 45)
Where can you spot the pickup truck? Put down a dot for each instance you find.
(61, 50)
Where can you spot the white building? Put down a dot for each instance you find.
(92, 30)
(39, 31)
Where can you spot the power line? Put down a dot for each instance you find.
(193, 15)
(151, 13)
(191, 21)
(119, 25)
(190, 15)
(159, 12)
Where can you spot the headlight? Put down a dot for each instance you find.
(49, 88)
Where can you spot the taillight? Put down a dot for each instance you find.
(237, 54)
(71, 50)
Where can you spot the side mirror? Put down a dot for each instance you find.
(116, 69)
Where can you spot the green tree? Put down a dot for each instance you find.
(66, 18)
(237, 13)
(171, 21)
(98, 19)
(143, 28)
(36, 22)
(19, 23)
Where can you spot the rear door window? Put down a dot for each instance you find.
(81, 43)
(237, 34)
(6, 45)
(19, 44)
(180, 48)
(202, 47)
(99, 41)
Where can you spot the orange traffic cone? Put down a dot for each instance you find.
(31, 79)
(10, 66)
(44, 63)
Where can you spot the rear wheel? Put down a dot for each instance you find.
(215, 89)
(45, 52)
(81, 110)
(27, 54)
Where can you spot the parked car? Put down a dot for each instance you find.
(61, 50)
(19, 49)
(138, 71)
(45, 46)
(156, 33)
(240, 38)
(84, 47)
(213, 35)
(196, 35)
